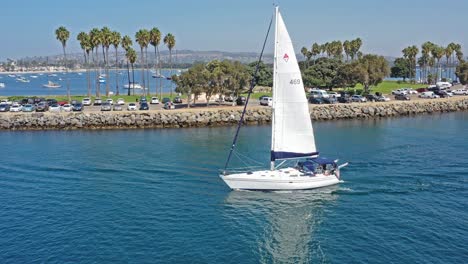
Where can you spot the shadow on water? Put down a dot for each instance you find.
(290, 220)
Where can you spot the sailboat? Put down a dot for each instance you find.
(51, 84)
(292, 132)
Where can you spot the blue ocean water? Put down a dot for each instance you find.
(78, 83)
(154, 196)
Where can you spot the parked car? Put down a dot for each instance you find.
(421, 90)
(443, 85)
(42, 107)
(143, 99)
(428, 95)
(131, 107)
(410, 91)
(358, 98)
(55, 108)
(330, 100)
(177, 100)
(4, 107)
(399, 91)
(106, 106)
(86, 101)
(229, 98)
(62, 103)
(382, 98)
(144, 106)
(28, 108)
(37, 100)
(74, 102)
(169, 105)
(154, 100)
(402, 97)
(268, 101)
(319, 94)
(334, 94)
(241, 100)
(372, 98)
(120, 101)
(51, 101)
(316, 100)
(110, 101)
(460, 92)
(16, 107)
(78, 107)
(97, 101)
(443, 93)
(117, 107)
(5, 101)
(67, 107)
(344, 98)
(166, 99)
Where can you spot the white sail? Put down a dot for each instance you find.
(292, 134)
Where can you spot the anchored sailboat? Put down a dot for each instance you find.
(292, 132)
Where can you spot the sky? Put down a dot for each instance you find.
(386, 26)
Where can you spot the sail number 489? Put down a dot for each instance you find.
(295, 81)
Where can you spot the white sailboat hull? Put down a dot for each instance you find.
(283, 179)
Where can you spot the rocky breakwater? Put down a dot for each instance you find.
(218, 116)
(139, 119)
(387, 109)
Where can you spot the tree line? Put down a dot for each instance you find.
(101, 40)
(430, 62)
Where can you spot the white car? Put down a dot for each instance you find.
(399, 92)
(55, 108)
(460, 92)
(120, 101)
(110, 101)
(154, 100)
(132, 107)
(410, 91)
(16, 108)
(266, 101)
(334, 94)
(86, 101)
(67, 107)
(6, 101)
(383, 98)
(428, 95)
(319, 94)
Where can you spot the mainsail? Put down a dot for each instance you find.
(292, 134)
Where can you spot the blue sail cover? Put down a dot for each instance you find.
(322, 161)
(275, 155)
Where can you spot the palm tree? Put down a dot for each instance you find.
(142, 37)
(132, 57)
(85, 44)
(304, 52)
(437, 53)
(426, 55)
(170, 42)
(410, 54)
(116, 42)
(355, 47)
(62, 35)
(106, 41)
(347, 48)
(95, 37)
(155, 40)
(126, 44)
(315, 49)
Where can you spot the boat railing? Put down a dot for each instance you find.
(241, 170)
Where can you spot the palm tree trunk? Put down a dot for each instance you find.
(133, 80)
(107, 73)
(160, 70)
(128, 75)
(116, 72)
(170, 63)
(147, 70)
(142, 62)
(98, 85)
(66, 70)
(86, 56)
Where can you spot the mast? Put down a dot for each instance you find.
(275, 73)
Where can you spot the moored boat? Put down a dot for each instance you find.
(51, 84)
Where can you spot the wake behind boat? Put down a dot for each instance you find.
(292, 132)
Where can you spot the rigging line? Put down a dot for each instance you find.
(252, 84)
(238, 154)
